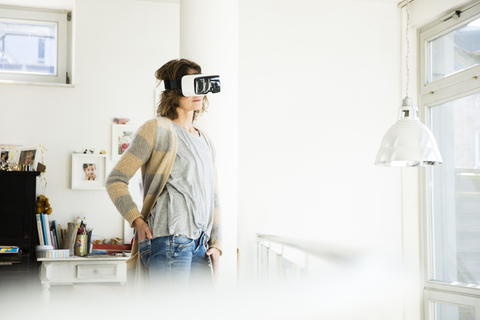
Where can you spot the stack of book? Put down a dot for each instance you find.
(49, 233)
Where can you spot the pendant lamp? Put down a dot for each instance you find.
(408, 143)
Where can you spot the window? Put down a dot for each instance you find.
(450, 104)
(33, 45)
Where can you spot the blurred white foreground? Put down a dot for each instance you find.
(331, 284)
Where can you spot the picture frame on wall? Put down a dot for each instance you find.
(89, 171)
(122, 136)
(28, 156)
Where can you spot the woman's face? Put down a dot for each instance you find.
(191, 103)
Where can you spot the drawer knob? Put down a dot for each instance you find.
(95, 271)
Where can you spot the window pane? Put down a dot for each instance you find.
(444, 311)
(28, 48)
(454, 51)
(456, 191)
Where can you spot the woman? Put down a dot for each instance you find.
(179, 227)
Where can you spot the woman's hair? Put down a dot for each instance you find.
(170, 99)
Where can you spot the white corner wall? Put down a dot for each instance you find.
(118, 47)
(319, 85)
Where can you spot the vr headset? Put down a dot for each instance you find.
(191, 85)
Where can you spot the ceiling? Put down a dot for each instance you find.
(69, 4)
(60, 4)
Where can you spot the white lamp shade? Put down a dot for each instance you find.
(408, 143)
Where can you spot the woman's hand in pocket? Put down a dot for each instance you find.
(143, 231)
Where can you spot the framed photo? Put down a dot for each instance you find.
(28, 156)
(89, 171)
(122, 136)
(4, 155)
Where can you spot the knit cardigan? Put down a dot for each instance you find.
(153, 149)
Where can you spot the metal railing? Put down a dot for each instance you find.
(287, 259)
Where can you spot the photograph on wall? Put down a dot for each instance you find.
(88, 171)
(122, 136)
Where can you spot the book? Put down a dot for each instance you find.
(90, 241)
(60, 234)
(41, 239)
(64, 237)
(9, 249)
(45, 238)
(55, 233)
(47, 230)
(52, 239)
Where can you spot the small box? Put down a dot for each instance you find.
(53, 254)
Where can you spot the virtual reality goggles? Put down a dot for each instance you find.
(192, 85)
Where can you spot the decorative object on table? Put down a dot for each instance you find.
(41, 167)
(10, 166)
(43, 251)
(53, 254)
(43, 205)
(92, 151)
(408, 143)
(9, 249)
(116, 240)
(122, 136)
(81, 245)
(89, 171)
(70, 237)
(27, 157)
(82, 242)
(121, 120)
(103, 152)
(112, 248)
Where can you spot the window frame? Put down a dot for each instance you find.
(59, 17)
(451, 299)
(452, 87)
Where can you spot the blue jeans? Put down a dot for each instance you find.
(176, 261)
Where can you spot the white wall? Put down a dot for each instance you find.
(218, 53)
(118, 47)
(319, 85)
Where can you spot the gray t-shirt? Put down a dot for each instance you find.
(185, 205)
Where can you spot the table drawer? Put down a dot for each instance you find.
(95, 271)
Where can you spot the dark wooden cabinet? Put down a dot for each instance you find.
(18, 228)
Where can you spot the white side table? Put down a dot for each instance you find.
(61, 271)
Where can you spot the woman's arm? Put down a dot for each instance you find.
(137, 155)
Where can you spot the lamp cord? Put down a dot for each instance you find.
(408, 45)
